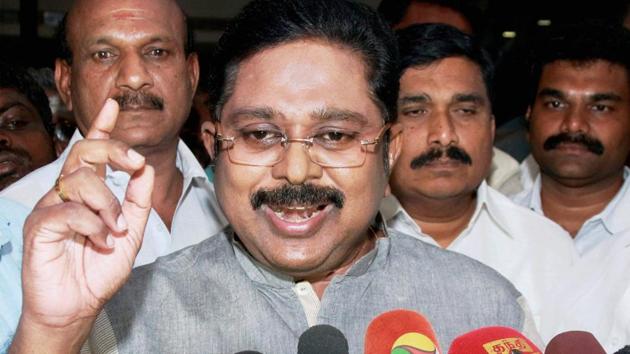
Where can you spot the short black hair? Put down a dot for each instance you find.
(266, 23)
(580, 43)
(424, 44)
(394, 10)
(65, 51)
(17, 78)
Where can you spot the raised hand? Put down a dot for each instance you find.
(80, 243)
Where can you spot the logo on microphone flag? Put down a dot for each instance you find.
(507, 345)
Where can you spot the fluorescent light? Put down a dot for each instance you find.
(509, 34)
(544, 22)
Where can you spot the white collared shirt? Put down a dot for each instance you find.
(595, 295)
(528, 249)
(614, 219)
(197, 215)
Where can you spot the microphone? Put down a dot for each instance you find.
(494, 339)
(400, 332)
(574, 342)
(322, 339)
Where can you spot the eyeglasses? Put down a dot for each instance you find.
(330, 148)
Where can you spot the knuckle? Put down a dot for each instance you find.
(83, 173)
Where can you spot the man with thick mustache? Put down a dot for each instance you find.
(438, 187)
(25, 125)
(579, 130)
(137, 57)
(304, 95)
(133, 57)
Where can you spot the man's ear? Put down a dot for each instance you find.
(193, 70)
(208, 132)
(394, 149)
(493, 126)
(63, 81)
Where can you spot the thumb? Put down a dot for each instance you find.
(105, 121)
(137, 203)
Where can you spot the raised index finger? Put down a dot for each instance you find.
(105, 121)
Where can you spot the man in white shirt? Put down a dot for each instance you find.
(146, 64)
(579, 131)
(152, 73)
(595, 295)
(580, 134)
(438, 182)
(302, 164)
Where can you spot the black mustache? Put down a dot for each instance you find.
(452, 152)
(131, 100)
(304, 194)
(593, 145)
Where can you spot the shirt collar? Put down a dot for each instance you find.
(614, 217)
(185, 160)
(188, 163)
(529, 169)
(489, 200)
(534, 201)
(391, 208)
(262, 274)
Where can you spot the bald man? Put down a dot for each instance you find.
(137, 53)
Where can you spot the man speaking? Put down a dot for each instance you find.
(304, 97)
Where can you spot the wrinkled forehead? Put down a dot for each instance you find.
(452, 75)
(95, 18)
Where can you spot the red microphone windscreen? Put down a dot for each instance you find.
(493, 340)
(400, 332)
(574, 342)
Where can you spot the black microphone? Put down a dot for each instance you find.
(322, 339)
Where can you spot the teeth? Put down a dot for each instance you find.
(296, 213)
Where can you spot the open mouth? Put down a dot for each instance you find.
(297, 213)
